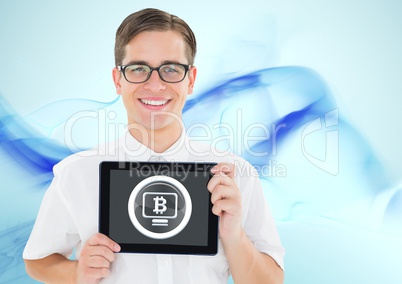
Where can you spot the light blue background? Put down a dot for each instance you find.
(53, 51)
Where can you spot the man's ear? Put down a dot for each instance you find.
(116, 79)
(192, 74)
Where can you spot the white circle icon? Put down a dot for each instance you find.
(159, 207)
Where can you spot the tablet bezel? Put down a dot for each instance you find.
(105, 169)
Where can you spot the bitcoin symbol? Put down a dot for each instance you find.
(160, 206)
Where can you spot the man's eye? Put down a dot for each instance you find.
(137, 69)
(170, 69)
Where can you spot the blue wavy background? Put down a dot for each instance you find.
(338, 206)
(371, 202)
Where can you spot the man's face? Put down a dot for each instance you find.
(155, 104)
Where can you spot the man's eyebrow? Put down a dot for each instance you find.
(142, 62)
(138, 62)
(171, 62)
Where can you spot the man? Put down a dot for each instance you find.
(154, 73)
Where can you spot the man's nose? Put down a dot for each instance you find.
(155, 83)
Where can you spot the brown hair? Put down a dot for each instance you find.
(152, 20)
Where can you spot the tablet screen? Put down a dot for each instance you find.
(150, 207)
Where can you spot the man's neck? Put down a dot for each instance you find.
(157, 140)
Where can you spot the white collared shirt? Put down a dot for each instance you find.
(68, 216)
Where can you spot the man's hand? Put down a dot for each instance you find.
(226, 198)
(95, 259)
(253, 266)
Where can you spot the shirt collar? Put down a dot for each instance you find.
(133, 150)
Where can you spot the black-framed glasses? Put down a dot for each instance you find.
(169, 72)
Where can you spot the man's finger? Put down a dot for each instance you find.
(101, 251)
(99, 261)
(219, 179)
(103, 240)
(226, 168)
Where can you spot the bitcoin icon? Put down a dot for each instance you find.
(160, 205)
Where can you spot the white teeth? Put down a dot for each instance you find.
(154, 103)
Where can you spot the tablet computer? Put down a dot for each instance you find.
(158, 207)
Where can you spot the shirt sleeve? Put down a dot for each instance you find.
(54, 230)
(258, 221)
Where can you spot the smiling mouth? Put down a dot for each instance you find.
(154, 103)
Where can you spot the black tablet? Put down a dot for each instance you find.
(149, 207)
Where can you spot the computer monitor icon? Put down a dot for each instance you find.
(160, 206)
